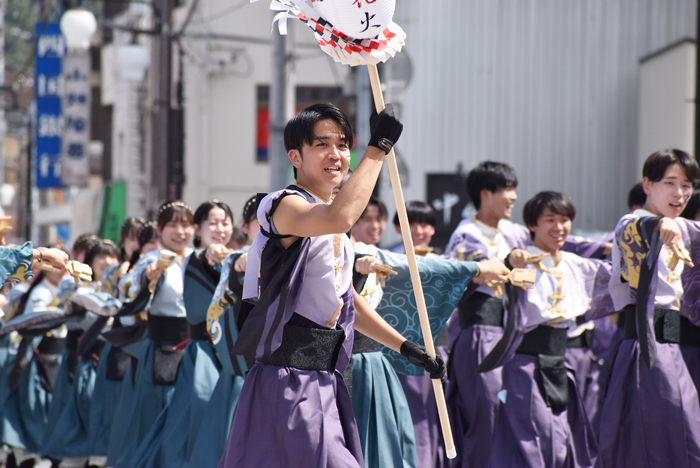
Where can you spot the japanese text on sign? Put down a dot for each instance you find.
(48, 93)
(76, 118)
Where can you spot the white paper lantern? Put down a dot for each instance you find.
(359, 19)
(77, 27)
(133, 62)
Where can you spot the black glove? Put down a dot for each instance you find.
(416, 354)
(385, 129)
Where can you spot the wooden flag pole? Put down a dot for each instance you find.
(413, 267)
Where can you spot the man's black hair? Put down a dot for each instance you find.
(418, 212)
(693, 207)
(655, 166)
(300, 128)
(492, 176)
(636, 197)
(557, 202)
(381, 207)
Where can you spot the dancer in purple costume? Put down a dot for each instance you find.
(301, 310)
(541, 420)
(608, 342)
(651, 416)
(472, 396)
(690, 334)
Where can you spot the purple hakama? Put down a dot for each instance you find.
(651, 414)
(541, 420)
(472, 397)
(288, 416)
(650, 417)
(430, 445)
(529, 433)
(291, 417)
(691, 356)
(587, 375)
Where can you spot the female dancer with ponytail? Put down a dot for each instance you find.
(158, 288)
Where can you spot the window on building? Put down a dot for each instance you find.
(305, 96)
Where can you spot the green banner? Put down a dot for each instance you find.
(113, 211)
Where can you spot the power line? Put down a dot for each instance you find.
(226, 11)
(190, 14)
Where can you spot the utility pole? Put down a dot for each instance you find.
(161, 170)
(3, 122)
(276, 154)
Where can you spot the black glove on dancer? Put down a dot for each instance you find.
(416, 354)
(385, 129)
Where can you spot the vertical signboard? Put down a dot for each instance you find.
(76, 118)
(48, 92)
(447, 195)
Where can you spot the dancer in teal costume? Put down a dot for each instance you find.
(26, 387)
(8, 349)
(122, 414)
(108, 383)
(149, 241)
(171, 439)
(67, 435)
(167, 334)
(383, 417)
(218, 416)
(378, 400)
(443, 283)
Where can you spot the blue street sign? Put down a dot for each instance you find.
(48, 93)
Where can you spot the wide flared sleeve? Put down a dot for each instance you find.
(16, 263)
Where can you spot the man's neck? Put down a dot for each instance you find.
(313, 190)
(654, 211)
(555, 254)
(489, 219)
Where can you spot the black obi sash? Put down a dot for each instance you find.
(307, 346)
(480, 309)
(548, 344)
(117, 364)
(584, 340)
(73, 356)
(361, 344)
(169, 334)
(199, 331)
(48, 362)
(364, 344)
(690, 333)
(667, 324)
